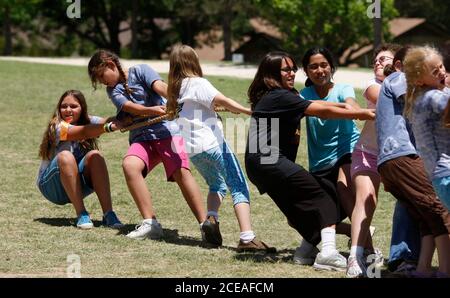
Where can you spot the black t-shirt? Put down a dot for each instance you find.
(272, 142)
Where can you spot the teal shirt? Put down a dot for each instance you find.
(329, 139)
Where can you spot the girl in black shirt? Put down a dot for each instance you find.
(270, 158)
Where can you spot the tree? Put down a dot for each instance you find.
(208, 16)
(15, 13)
(99, 23)
(337, 24)
(232, 16)
(435, 11)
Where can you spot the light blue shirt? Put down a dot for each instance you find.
(329, 139)
(140, 80)
(432, 138)
(394, 134)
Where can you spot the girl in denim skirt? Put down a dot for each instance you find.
(72, 167)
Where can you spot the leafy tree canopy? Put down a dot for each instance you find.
(336, 24)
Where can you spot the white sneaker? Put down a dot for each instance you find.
(146, 230)
(305, 259)
(334, 261)
(355, 268)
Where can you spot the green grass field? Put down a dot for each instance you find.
(38, 236)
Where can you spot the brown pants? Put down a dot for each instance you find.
(405, 178)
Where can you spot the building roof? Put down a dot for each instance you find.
(263, 26)
(397, 27)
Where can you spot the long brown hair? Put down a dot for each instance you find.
(48, 143)
(184, 63)
(99, 62)
(268, 76)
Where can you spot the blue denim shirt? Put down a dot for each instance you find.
(140, 80)
(433, 139)
(394, 134)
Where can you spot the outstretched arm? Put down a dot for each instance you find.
(229, 104)
(446, 117)
(160, 87)
(351, 101)
(88, 131)
(329, 111)
(140, 110)
(334, 104)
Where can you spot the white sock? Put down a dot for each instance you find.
(150, 221)
(305, 247)
(328, 241)
(357, 251)
(247, 236)
(213, 213)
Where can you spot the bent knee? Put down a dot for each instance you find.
(94, 155)
(65, 158)
(132, 164)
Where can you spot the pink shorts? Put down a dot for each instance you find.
(363, 162)
(170, 151)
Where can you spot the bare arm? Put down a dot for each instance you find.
(334, 104)
(446, 116)
(137, 109)
(373, 92)
(229, 104)
(351, 101)
(325, 111)
(160, 87)
(88, 131)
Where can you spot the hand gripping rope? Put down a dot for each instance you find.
(150, 121)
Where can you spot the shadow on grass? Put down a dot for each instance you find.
(284, 255)
(169, 236)
(63, 221)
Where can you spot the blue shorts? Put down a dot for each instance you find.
(442, 188)
(51, 187)
(221, 171)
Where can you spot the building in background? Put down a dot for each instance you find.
(414, 31)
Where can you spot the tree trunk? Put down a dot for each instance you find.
(7, 34)
(114, 41)
(187, 36)
(226, 27)
(134, 31)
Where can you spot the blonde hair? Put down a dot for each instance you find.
(48, 143)
(99, 62)
(184, 63)
(415, 67)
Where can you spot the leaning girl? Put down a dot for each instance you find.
(425, 100)
(205, 142)
(365, 177)
(72, 167)
(139, 91)
(271, 153)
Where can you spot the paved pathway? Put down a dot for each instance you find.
(355, 78)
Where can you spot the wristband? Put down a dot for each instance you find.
(107, 127)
